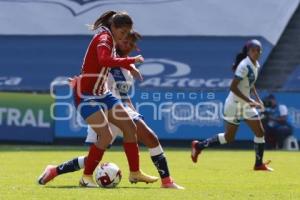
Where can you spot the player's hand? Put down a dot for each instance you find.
(262, 106)
(135, 72)
(256, 104)
(139, 59)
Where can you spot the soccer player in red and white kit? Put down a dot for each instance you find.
(120, 82)
(95, 102)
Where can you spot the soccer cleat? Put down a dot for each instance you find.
(263, 167)
(172, 185)
(48, 174)
(195, 152)
(87, 181)
(140, 176)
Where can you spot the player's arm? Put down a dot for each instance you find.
(257, 98)
(234, 88)
(104, 52)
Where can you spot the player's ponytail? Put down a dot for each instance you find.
(103, 20)
(239, 57)
(119, 19)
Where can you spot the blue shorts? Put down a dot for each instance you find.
(89, 105)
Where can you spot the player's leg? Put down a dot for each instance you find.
(98, 122)
(51, 171)
(218, 139)
(259, 143)
(232, 121)
(147, 136)
(120, 118)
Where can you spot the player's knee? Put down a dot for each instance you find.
(229, 139)
(131, 126)
(105, 139)
(154, 138)
(260, 132)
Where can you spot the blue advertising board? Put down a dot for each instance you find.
(32, 62)
(176, 115)
(26, 117)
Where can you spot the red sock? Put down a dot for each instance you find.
(132, 154)
(93, 159)
(166, 180)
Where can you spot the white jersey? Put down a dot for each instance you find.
(247, 72)
(119, 82)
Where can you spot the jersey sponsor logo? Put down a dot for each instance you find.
(166, 73)
(79, 7)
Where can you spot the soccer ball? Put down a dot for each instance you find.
(108, 175)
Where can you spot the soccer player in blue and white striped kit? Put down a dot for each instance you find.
(240, 106)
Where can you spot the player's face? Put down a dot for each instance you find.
(120, 33)
(255, 53)
(126, 46)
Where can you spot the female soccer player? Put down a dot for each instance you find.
(120, 81)
(240, 106)
(93, 98)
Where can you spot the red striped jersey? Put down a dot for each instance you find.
(99, 58)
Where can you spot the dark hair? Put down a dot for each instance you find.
(243, 54)
(134, 37)
(119, 19)
(239, 57)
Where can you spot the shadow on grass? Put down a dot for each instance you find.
(65, 187)
(60, 148)
(78, 187)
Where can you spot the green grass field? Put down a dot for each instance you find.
(218, 175)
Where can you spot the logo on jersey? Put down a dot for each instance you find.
(79, 7)
(166, 73)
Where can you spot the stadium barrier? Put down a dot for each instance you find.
(181, 115)
(26, 117)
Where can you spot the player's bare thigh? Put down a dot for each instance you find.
(120, 118)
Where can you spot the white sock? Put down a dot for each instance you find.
(221, 137)
(259, 139)
(156, 150)
(81, 161)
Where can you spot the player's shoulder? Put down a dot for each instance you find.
(103, 37)
(243, 64)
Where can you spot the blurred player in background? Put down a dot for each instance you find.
(95, 102)
(240, 106)
(276, 122)
(120, 82)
